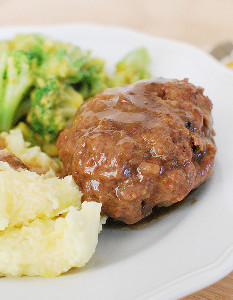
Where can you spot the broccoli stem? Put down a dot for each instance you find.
(12, 90)
(22, 111)
(3, 61)
(9, 106)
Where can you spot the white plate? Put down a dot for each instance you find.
(183, 251)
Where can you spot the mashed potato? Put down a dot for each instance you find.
(26, 196)
(44, 229)
(51, 247)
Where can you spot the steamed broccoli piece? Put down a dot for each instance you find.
(29, 43)
(93, 78)
(54, 58)
(53, 105)
(74, 67)
(16, 78)
(41, 47)
(133, 67)
(64, 63)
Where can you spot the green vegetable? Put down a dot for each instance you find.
(16, 78)
(93, 78)
(74, 67)
(41, 47)
(53, 104)
(133, 67)
(65, 62)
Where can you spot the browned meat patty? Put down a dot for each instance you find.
(141, 145)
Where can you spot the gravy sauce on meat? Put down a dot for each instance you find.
(141, 145)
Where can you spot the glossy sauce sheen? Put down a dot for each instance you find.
(137, 146)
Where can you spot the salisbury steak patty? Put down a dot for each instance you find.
(141, 145)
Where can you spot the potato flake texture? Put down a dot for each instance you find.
(26, 196)
(49, 247)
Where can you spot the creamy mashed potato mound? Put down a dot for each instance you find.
(26, 196)
(44, 228)
(49, 247)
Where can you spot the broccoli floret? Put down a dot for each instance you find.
(133, 67)
(72, 66)
(93, 78)
(53, 104)
(27, 42)
(37, 45)
(16, 78)
(65, 63)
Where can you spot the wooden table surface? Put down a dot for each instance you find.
(203, 23)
